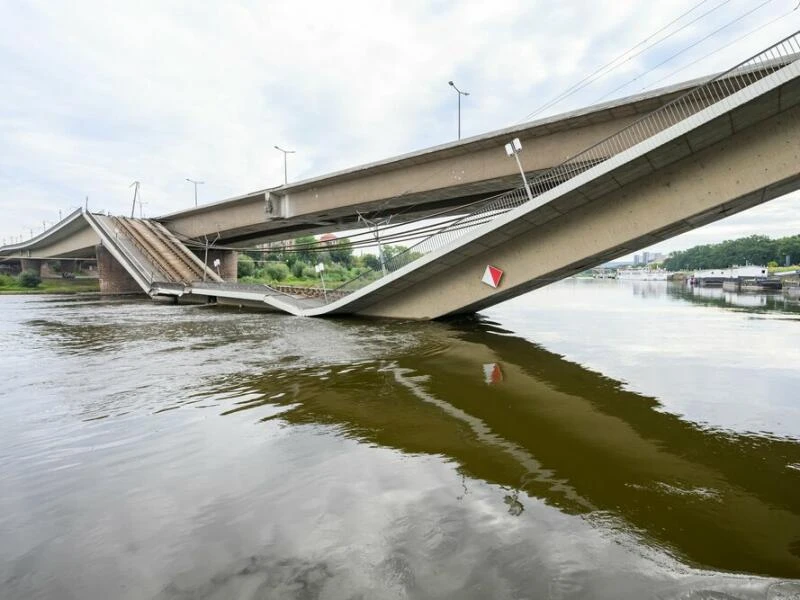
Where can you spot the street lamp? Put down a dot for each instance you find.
(285, 152)
(135, 185)
(513, 148)
(460, 93)
(196, 183)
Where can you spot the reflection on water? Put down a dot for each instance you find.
(152, 451)
(759, 301)
(568, 436)
(709, 296)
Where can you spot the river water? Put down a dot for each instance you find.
(593, 439)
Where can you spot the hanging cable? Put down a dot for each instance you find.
(594, 75)
(700, 41)
(729, 44)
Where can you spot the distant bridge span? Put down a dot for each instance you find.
(415, 184)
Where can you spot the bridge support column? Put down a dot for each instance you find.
(49, 271)
(114, 279)
(228, 262)
(31, 264)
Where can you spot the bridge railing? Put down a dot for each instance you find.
(709, 93)
(99, 221)
(138, 252)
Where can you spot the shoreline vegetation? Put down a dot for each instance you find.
(752, 250)
(294, 262)
(24, 283)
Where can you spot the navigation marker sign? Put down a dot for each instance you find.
(491, 276)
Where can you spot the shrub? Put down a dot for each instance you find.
(7, 281)
(298, 267)
(29, 279)
(335, 272)
(277, 271)
(246, 266)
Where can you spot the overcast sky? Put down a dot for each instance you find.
(95, 95)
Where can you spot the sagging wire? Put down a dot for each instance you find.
(599, 72)
(700, 41)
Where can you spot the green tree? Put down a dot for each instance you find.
(305, 247)
(277, 271)
(29, 279)
(336, 272)
(246, 266)
(755, 249)
(342, 252)
(371, 261)
(298, 267)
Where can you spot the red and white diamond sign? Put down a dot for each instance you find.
(491, 276)
(492, 373)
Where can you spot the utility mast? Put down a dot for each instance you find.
(135, 185)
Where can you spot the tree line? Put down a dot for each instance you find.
(754, 250)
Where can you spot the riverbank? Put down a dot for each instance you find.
(54, 286)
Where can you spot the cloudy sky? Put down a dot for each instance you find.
(95, 95)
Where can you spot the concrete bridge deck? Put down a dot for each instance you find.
(416, 184)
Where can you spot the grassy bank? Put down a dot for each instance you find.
(9, 285)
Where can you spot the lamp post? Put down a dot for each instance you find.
(196, 183)
(285, 152)
(135, 185)
(513, 148)
(460, 93)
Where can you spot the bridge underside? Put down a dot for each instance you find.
(414, 185)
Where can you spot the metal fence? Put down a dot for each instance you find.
(142, 266)
(709, 93)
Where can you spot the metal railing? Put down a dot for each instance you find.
(143, 272)
(123, 238)
(709, 93)
(188, 255)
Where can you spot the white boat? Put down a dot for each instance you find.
(716, 277)
(642, 274)
(732, 272)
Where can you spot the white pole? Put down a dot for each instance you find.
(524, 179)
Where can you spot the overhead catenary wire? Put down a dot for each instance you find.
(355, 240)
(319, 247)
(610, 66)
(728, 45)
(689, 47)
